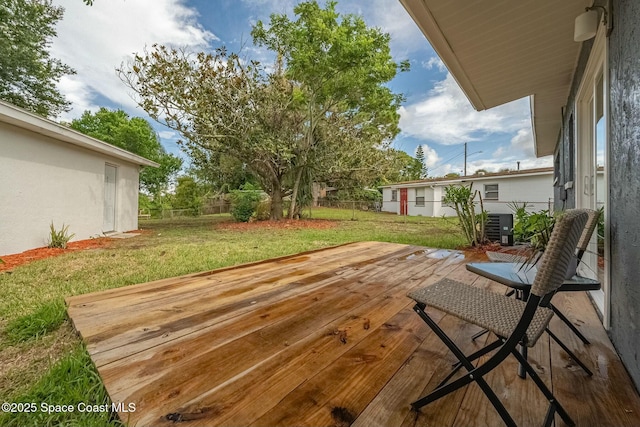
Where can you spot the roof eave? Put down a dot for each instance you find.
(23, 119)
(420, 15)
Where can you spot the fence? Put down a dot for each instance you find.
(361, 205)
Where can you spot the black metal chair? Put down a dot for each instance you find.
(484, 269)
(513, 321)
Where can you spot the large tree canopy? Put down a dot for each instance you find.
(28, 75)
(135, 135)
(321, 113)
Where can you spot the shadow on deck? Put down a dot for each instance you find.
(327, 338)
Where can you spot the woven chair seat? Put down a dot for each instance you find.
(505, 257)
(481, 307)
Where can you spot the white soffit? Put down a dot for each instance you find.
(502, 50)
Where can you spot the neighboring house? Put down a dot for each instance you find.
(585, 108)
(50, 173)
(533, 187)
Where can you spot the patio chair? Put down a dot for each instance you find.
(581, 248)
(513, 321)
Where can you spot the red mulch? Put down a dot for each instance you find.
(285, 224)
(15, 260)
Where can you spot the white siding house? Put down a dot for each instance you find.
(50, 173)
(533, 187)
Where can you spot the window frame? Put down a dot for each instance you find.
(488, 191)
(420, 200)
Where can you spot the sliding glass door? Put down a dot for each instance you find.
(591, 167)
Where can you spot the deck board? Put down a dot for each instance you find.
(322, 338)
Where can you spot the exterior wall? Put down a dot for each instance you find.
(624, 182)
(44, 180)
(427, 208)
(389, 205)
(535, 190)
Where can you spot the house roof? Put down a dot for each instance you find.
(500, 51)
(18, 117)
(469, 178)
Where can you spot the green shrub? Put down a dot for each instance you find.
(46, 318)
(533, 228)
(472, 224)
(244, 202)
(263, 210)
(59, 238)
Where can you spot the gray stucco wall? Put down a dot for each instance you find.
(624, 176)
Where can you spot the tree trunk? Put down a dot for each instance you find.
(294, 194)
(276, 202)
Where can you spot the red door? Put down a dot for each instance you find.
(403, 201)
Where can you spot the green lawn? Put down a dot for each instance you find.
(41, 358)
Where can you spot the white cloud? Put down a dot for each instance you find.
(168, 134)
(434, 62)
(392, 18)
(445, 116)
(94, 40)
(431, 157)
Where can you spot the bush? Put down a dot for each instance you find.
(244, 202)
(533, 228)
(263, 210)
(59, 239)
(463, 200)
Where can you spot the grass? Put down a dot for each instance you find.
(46, 318)
(73, 382)
(42, 360)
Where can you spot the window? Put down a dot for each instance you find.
(491, 191)
(419, 196)
(394, 195)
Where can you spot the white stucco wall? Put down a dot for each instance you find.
(389, 205)
(535, 190)
(44, 180)
(413, 209)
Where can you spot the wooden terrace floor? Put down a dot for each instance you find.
(327, 338)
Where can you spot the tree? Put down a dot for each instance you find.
(135, 135)
(220, 172)
(420, 158)
(309, 119)
(28, 75)
(400, 167)
(188, 196)
(339, 67)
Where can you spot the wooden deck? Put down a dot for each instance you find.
(327, 338)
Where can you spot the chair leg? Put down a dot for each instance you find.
(479, 334)
(569, 352)
(460, 382)
(569, 324)
(484, 350)
(554, 404)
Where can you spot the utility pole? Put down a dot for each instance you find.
(465, 159)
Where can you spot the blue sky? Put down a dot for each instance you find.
(95, 40)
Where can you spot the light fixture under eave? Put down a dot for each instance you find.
(586, 24)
